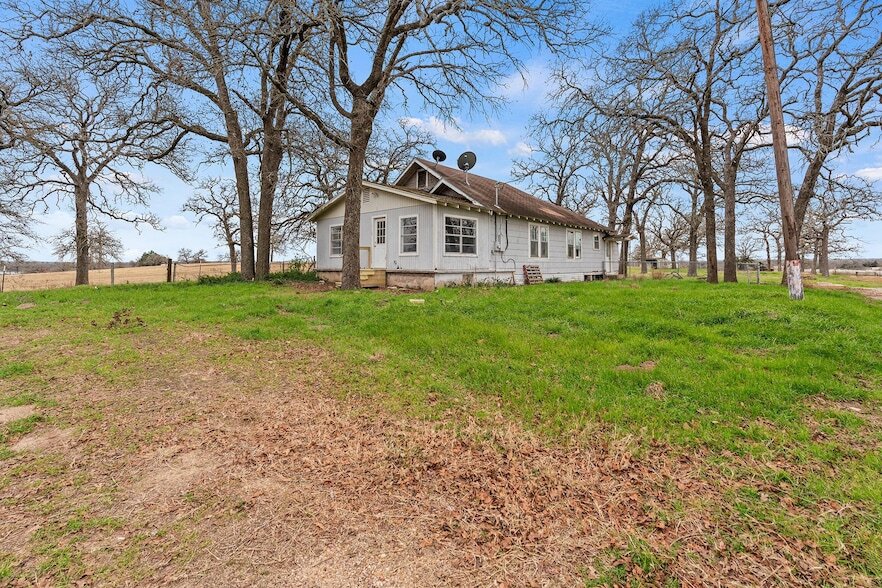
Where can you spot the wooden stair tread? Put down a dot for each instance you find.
(532, 275)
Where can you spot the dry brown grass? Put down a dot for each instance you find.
(124, 275)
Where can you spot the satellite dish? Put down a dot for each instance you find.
(467, 161)
(438, 155)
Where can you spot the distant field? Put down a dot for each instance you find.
(124, 275)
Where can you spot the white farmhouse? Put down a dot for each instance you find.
(437, 225)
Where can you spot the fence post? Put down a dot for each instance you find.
(168, 275)
(112, 270)
(3, 281)
(757, 274)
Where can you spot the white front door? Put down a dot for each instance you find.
(378, 257)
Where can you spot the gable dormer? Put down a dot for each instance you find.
(418, 177)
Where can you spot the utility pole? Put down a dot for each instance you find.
(793, 265)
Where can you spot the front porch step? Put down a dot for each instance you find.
(373, 278)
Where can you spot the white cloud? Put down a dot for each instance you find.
(176, 222)
(795, 135)
(456, 134)
(872, 174)
(521, 149)
(530, 83)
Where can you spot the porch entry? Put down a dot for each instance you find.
(378, 257)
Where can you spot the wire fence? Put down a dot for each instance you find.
(111, 276)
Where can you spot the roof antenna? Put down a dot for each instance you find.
(438, 156)
(466, 162)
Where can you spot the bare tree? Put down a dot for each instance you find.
(839, 201)
(559, 167)
(392, 148)
(692, 58)
(186, 255)
(230, 61)
(670, 229)
(765, 222)
(834, 94)
(216, 200)
(104, 246)
(82, 140)
(443, 51)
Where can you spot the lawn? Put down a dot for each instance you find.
(777, 402)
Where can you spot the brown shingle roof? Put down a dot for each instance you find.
(512, 201)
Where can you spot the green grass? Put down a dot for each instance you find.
(736, 370)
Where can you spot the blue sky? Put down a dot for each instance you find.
(497, 140)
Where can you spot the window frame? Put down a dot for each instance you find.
(577, 255)
(424, 174)
(401, 250)
(540, 227)
(596, 242)
(331, 241)
(444, 236)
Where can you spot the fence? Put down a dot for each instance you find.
(749, 273)
(180, 272)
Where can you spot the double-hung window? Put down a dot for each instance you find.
(460, 235)
(574, 244)
(538, 241)
(337, 240)
(409, 234)
(597, 242)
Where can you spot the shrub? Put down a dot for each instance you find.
(225, 279)
(295, 274)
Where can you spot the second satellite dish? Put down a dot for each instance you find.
(438, 155)
(467, 161)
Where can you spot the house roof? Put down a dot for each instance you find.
(479, 193)
(511, 201)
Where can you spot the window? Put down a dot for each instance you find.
(597, 242)
(538, 241)
(380, 227)
(422, 178)
(460, 235)
(574, 244)
(409, 234)
(337, 240)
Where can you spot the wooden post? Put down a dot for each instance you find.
(3, 281)
(168, 274)
(112, 269)
(782, 161)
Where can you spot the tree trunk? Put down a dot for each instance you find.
(641, 234)
(81, 226)
(627, 219)
(673, 258)
(825, 252)
(693, 253)
(360, 136)
(768, 253)
(710, 228)
(815, 257)
(730, 257)
(269, 179)
(233, 257)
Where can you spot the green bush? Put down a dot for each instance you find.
(225, 279)
(295, 274)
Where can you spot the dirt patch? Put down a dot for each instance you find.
(14, 413)
(170, 472)
(871, 293)
(655, 390)
(51, 440)
(26, 306)
(645, 366)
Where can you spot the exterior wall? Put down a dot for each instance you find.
(503, 246)
(489, 266)
(393, 207)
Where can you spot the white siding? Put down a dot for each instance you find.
(394, 207)
(485, 265)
